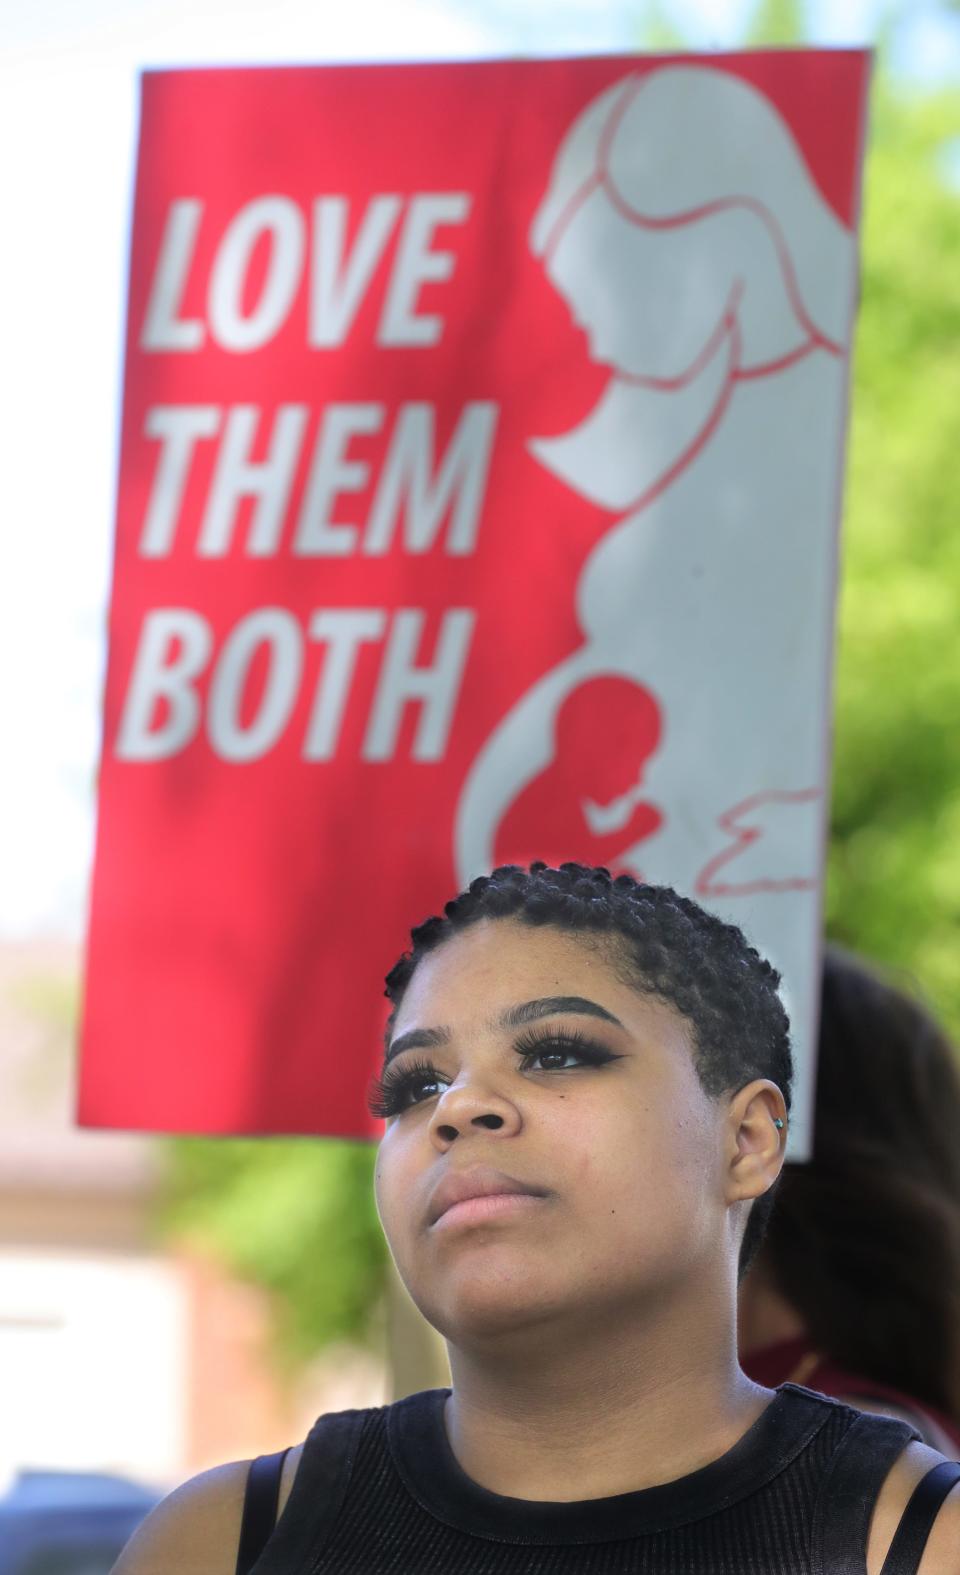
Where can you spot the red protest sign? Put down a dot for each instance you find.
(480, 467)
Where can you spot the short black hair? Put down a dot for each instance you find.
(667, 946)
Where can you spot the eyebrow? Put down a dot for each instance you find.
(513, 1017)
(417, 1039)
(550, 1006)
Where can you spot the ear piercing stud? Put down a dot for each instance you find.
(777, 1122)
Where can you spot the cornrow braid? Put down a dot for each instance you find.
(665, 945)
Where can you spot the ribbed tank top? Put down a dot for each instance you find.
(796, 1361)
(380, 1492)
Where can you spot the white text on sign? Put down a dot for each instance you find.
(175, 649)
(412, 488)
(338, 276)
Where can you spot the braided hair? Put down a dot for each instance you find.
(664, 945)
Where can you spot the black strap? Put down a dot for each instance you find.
(855, 1476)
(259, 1508)
(317, 1495)
(910, 1538)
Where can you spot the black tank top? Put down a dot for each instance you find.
(380, 1492)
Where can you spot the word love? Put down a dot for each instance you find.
(338, 276)
(179, 682)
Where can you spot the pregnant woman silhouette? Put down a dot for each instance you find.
(684, 230)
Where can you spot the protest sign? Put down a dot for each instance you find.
(480, 476)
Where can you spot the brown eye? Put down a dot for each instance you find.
(549, 1045)
(402, 1087)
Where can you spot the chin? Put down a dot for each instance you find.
(478, 1305)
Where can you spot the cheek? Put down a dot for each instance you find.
(628, 1161)
(390, 1186)
(606, 1147)
(692, 1160)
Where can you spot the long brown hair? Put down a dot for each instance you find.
(864, 1241)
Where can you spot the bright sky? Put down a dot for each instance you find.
(67, 126)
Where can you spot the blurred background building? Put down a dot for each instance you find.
(122, 1349)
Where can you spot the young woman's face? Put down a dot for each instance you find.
(551, 1071)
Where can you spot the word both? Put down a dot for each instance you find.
(165, 709)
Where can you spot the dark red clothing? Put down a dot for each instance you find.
(776, 1364)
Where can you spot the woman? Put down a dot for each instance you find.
(856, 1291)
(586, 1086)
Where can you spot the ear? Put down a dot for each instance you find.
(755, 1145)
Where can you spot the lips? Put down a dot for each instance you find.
(478, 1182)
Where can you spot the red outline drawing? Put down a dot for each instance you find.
(744, 837)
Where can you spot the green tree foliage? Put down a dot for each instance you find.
(894, 866)
(658, 31)
(298, 1216)
(294, 1215)
(777, 22)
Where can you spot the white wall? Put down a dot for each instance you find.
(93, 1363)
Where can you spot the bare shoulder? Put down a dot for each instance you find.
(941, 1556)
(195, 1530)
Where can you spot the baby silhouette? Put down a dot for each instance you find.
(587, 803)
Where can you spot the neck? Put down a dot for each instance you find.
(578, 1416)
(764, 1317)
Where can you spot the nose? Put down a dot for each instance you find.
(468, 1107)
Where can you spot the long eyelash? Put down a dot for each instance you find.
(534, 1040)
(386, 1094)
